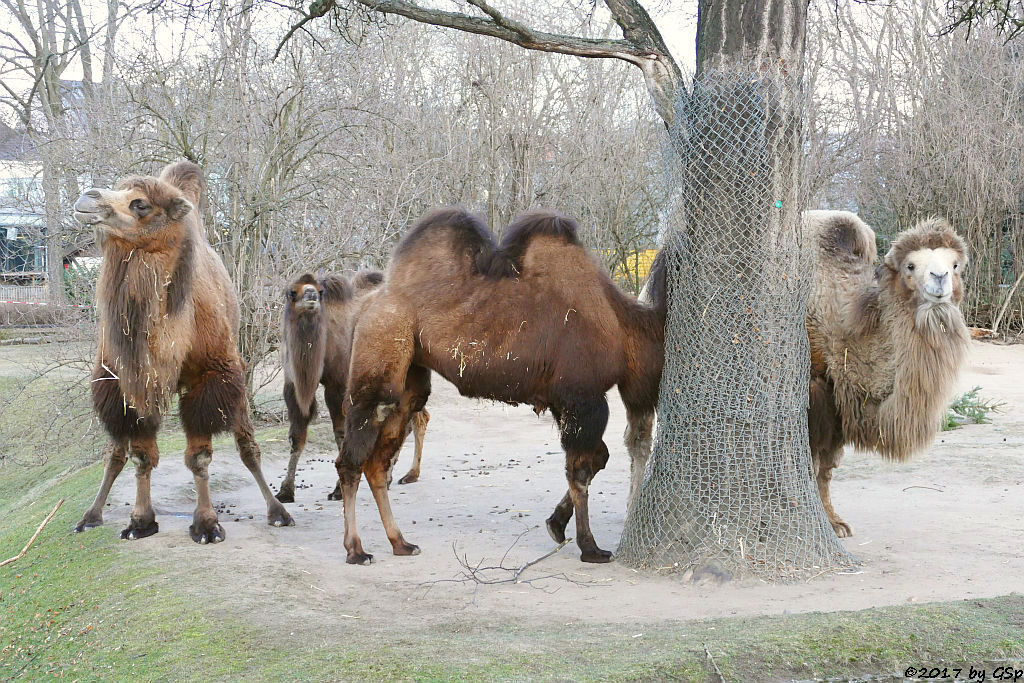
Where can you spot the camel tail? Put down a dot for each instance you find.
(655, 291)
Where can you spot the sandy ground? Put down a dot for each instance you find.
(945, 527)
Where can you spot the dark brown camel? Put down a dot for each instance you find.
(319, 316)
(168, 325)
(533, 320)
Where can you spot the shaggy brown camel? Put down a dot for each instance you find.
(319, 316)
(168, 324)
(886, 344)
(535, 320)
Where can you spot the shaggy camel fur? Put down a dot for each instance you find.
(534, 320)
(319, 316)
(168, 324)
(886, 344)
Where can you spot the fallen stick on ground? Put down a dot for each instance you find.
(515, 577)
(33, 539)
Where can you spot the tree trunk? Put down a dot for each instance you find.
(54, 237)
(728, 488)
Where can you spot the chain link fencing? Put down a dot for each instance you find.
(728, 489)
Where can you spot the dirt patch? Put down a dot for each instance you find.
(940, 528)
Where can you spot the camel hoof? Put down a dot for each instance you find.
(405, 548)
(213, 534)
(278, 516)
(359, 558)
(89, 521)
(597, 556)
(555, 530)
(842, 529)
(286, 495)
(136, 530)
(335, 494)
(409, 479)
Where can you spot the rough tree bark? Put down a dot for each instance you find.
(727, 489)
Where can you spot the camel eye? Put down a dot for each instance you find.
(910, 267)
(140, 208)
(956, 266)
(292, 296)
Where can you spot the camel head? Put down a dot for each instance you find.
(926, 264)
(142, 210)
(303, 295)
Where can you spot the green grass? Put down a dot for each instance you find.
(969, 408)
(81, 606)
(89, 607)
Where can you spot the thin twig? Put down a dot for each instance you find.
(515, 577)
(930, 488)
(33, 539)
(714, 665)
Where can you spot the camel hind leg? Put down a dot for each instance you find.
(639, 425)
(251, 458)
(113, 462)
(419, 428)
(298, 430)
(824, 463)
(334, 397)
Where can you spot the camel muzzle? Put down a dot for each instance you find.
(90, 209)
(939, 287)
(310, 299)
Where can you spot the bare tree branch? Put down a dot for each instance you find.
(642, 45)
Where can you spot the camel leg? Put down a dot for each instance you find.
(114, 460)
(334, 396)
(639, 426)
(348, 480)
(393, 433)
(559, 519)
(205, 527)
(250, 454)
(376, 475)
(419, 428)
(582, 424)
(144, 455)
(823, 465)
(298, 429)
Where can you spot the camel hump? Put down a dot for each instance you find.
(187, 177)
(336, 288)
(842, 233)
(367, 279)
(531, 224)
(468, 234)
(507, 260)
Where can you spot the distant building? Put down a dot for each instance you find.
(22, 249)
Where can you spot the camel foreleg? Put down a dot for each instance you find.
(298, 430)
(143, 453)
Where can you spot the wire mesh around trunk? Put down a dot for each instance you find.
(729, 486)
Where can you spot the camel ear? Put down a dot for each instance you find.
(178, 208)
(890, 260)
